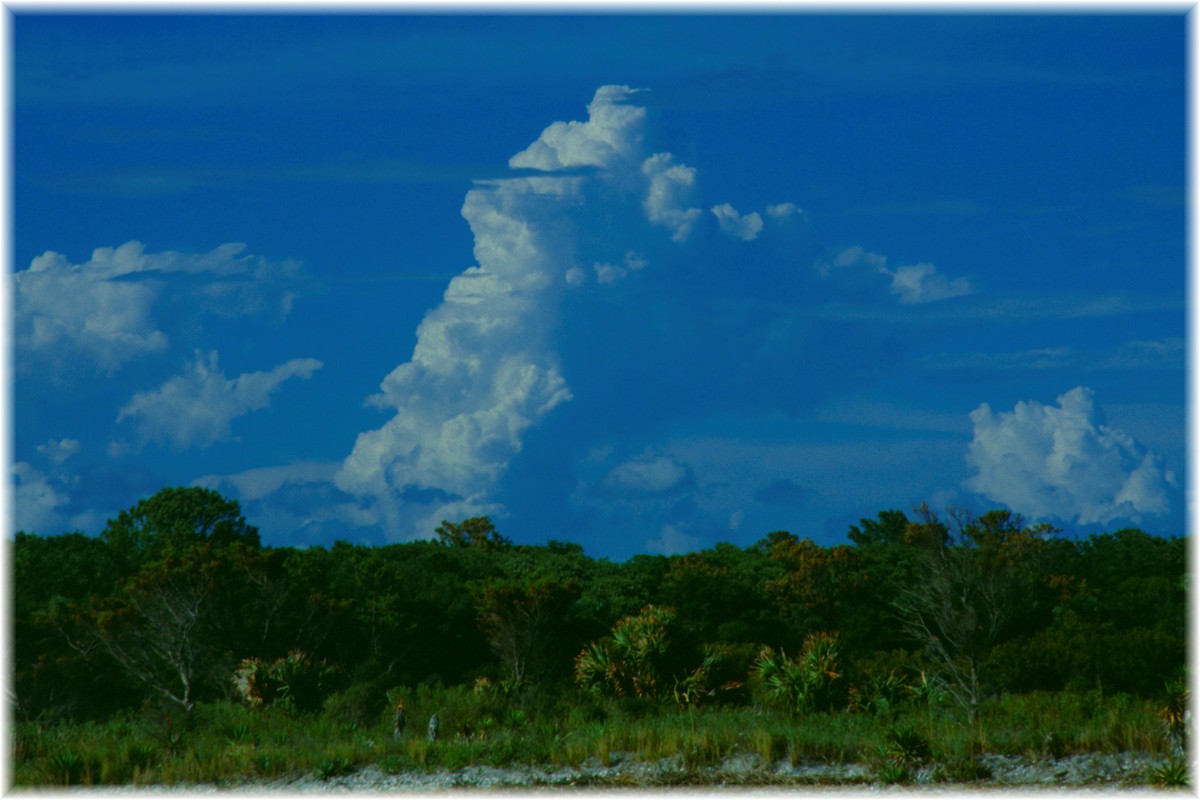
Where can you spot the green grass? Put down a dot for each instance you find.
(226, 743)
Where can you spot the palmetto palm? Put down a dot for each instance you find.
(631, 660)
(811, 681)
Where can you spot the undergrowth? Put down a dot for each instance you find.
(226, 743)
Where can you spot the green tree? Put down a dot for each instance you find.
(817, 583)
(972, 583)
(58, 671)
(161, 628)
(171, 521)
(523, 620)
(477, 532)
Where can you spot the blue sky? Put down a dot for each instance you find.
(642, 282)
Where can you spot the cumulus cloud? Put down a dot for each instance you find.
(195, 409)
(486, 368)
(103, 310)
(1064, 461)
(647, 475)
(673, 540)
(731, 222)
(911, 283)
(57, 451)
(922, 283)
(856, 255)
(782, 212)
(482, 373)
(611, 134)
(671, 185)
(611, 273)
(36, 500)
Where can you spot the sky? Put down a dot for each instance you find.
(644, 282)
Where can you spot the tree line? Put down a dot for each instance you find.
(177, 602)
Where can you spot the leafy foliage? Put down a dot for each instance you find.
(634, 660)
(177, 608)
(812, 681)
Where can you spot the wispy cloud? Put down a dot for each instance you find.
(648, 475)
(673, 540)
(37, 500)
(255, 484)
(859, 411)
(1037, 358)
(954, 208)
(1155, 354)
(734, 224)
(58, 451)
(195, 409)
(913, 284)
(784, 212)
(1012, 309)
(147, 181)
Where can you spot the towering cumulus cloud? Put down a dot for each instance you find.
(485, 369)
(1064, 461)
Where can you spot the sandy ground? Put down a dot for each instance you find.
(1123, 772)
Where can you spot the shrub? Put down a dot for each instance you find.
(296, 679)
(810, 682)
(1173, 774)
(906, 747)
(633, 660)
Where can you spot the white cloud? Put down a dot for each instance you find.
(911, 283)
(875, 414)
(745, 227)
(482, 373)
(103, 309)
(1165, 354)
(297, 504)
(195, 409)
(673, 541)
(255, 484)
(36, 501)
(576, 276)
(782, 212)
(855, 255)
(486, 368)
(58, 451)
(922, 283)
(666, 199)
(608, 273)
(611, 273)
(1039, 358)
(1064, 461)
(85, 309)
(612, 133)
(647, 474)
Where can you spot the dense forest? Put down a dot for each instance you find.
(177, 607)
